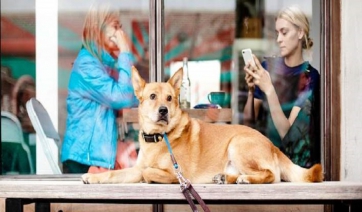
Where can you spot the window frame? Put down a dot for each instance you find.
(331, 87)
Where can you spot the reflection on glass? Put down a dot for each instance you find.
(211, 37)
(287, 109)
(17, 86)
(219, 32)
(115, 23)
(205, 36)
(201, 86)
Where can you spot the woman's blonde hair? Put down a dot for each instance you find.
(94, 25)
(295, 15)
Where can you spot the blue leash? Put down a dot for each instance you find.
(175, 165)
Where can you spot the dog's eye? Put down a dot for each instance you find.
(153, 96)
(169, 98)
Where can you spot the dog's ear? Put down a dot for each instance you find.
(176, 80)
(137, 82)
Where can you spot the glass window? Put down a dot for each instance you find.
(17, 86)
(211, 37)
(205, 36)
(220, 32)
(18, 67)
(134, 20)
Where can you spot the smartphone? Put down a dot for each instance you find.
(248, 56)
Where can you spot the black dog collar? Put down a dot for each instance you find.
(154, 138)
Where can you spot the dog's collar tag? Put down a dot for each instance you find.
(153, 138)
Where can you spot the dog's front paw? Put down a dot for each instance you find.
(90, 179)
(242, 180)
(219, 179)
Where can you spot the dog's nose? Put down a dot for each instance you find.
(163, 110)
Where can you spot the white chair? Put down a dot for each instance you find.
(46, 132)
(11, 132)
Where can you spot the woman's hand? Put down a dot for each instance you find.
(257, 75)
(249, 81)
(121, 40)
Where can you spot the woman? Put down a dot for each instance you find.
(100, 84)
(288, 93)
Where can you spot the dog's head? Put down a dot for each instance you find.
(159, 105)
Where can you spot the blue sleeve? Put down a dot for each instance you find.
(125, 62)
(91, 80)
(258, 94)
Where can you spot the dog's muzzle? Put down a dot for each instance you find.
(163, 114)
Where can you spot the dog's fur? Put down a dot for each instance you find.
(206, 153)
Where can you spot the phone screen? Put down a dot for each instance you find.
(248, 56)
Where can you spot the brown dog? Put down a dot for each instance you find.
(206, 153)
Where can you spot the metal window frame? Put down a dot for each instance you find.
(156, 44)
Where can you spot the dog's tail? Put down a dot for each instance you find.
(293, 173)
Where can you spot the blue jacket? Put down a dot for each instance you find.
(93, 95)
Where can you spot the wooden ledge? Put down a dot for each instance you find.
(76, 190)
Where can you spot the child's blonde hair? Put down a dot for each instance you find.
(94, 24)
(295, 15)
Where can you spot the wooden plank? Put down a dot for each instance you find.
(142, 192)
(222, 115)
(248, 208)
(42, 177)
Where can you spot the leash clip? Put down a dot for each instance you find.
(182, 180)
(185, 185)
